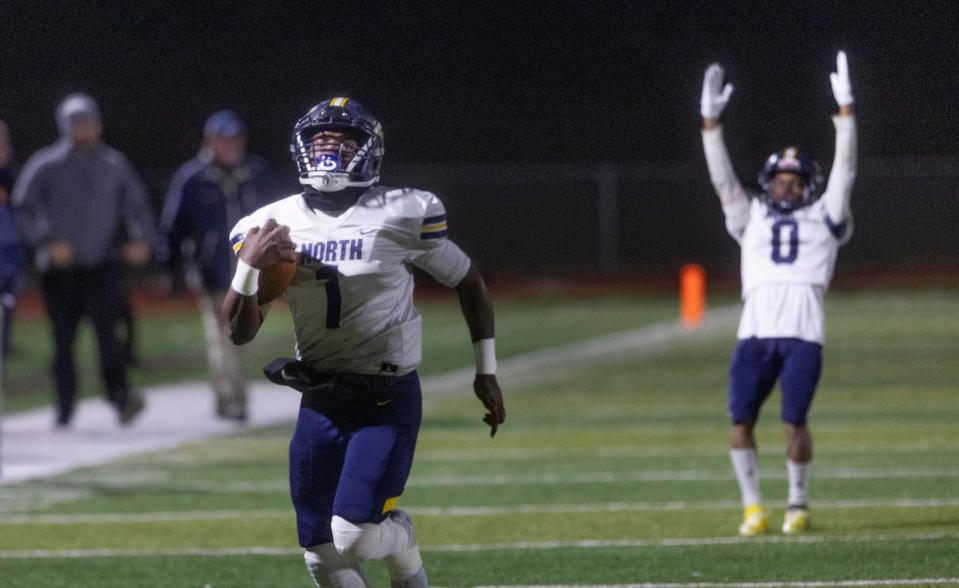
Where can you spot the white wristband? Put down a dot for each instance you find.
(246, 279)
(485, 352)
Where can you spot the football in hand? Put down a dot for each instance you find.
(274, 280)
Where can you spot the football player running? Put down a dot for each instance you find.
(358, 338)
(789, 238)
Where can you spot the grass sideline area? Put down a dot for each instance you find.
(171, 346)
(612, 472)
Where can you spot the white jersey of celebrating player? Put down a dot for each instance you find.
(352, 297)
(787, 260)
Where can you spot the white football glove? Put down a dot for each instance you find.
(715, 95)
(841, 87)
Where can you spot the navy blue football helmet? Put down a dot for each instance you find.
(791, 159)
(336, 145)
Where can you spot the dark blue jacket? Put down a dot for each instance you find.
(202, 205)
(12, 250)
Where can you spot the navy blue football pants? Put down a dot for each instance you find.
(351, 454)
(755, 366)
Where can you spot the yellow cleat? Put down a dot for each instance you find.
(796, 521)
(755, 521)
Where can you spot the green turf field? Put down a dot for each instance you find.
(170, 342)
(605, 473)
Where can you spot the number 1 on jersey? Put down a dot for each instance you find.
(334, 303)
(792, 241)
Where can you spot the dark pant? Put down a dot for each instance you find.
(127, 338)
(351, 454)
(98, 294)
(756, 365)
(8, 302)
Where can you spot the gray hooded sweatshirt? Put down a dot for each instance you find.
(92, 200)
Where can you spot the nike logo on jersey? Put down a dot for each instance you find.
(383, 402)
(331, 251)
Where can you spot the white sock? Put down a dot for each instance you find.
(404, 563)
(745, 464)
(330, 569)
(798, 474)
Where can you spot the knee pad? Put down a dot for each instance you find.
(358, 542)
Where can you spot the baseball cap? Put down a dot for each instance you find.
(224, 123)
(74, 107)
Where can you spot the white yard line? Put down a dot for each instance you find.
(629, 451)
(817, 584)
(124, 518)
(180, 413)
(172, 552)
(480, 547)
(559, 478)
(459, 480)
(457, 511)
(657, 507)
(691, 542)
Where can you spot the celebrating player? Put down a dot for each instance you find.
(358, 339)
(789, 238)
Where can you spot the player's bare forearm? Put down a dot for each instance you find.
(710, 124)
(241, 317)
(476, 304)
(847, 110)
(477, 307)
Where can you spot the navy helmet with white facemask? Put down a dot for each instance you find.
(336, 145)
(791, 159)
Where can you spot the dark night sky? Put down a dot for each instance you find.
(486, 81)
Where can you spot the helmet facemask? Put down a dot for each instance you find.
(333, 158)
(790, 161)
(788, 191)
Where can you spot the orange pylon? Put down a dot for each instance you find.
(692, 294)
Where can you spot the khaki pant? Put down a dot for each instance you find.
(226, 364)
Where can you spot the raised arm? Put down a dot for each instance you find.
(731, 194)
(843, 174)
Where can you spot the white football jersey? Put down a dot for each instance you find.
(352, 297)
(787, 261)
(798, 248)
